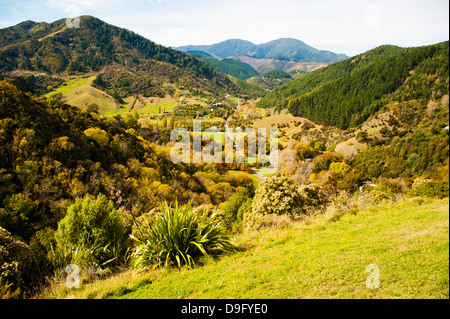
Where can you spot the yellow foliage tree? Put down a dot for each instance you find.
(98, 135)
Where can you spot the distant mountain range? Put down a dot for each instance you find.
(287, 48)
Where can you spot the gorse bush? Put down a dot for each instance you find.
(15, 262)
(282, 196)
(93, 230)
(179, 236)
(429, 188)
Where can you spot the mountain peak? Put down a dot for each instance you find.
(284, 47)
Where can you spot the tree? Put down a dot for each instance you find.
(98, 135)
(16, 215)
(231, 207)
(304, 151)
(322, 163)
(92, 108)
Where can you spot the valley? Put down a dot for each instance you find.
(91, 120)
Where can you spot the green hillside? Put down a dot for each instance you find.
(332, 72)
(270, 80)
(232, 67)
(346, 93)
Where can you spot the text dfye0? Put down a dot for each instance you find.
(246, 308)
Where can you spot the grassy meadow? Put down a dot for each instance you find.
(320, 257)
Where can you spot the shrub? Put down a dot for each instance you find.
(282, 196)
(14, 264)
(322, 163)
(92, 227)
(16, 215)
(390, 186)
(245, 207)
(231, 207)
(362, 136)
(98, 135)
(179, 236)
(304, 151)
(429, 188)
(375, 197)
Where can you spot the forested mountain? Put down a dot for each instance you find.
(96, 187)
(286, 47)
(55, 49)
(346, 93)
(232, 67)
(223, 49)
(270, 80)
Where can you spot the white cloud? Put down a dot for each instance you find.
(88, 5)
(159, 2)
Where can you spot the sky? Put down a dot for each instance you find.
(341, 26)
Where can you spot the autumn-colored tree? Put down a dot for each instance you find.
(98, 135)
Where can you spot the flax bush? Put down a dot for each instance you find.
(179, 236)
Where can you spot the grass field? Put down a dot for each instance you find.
(79, 92)
(267, 171)
(69, 86)
(233, 100)
(321, 257)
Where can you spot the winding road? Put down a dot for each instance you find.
(238, 150)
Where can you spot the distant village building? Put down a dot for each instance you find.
(366, 184)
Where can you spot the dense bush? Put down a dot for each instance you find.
(322, 163)
(179, 236)
(18, 208)
(375, 197)
(245, 208)
(232, 206)
(282, 196)
(95, 228)
(14, 263)
(429, 188)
